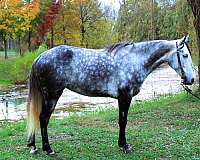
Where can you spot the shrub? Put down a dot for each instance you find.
(17, 69)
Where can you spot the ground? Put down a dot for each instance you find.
(168, 128)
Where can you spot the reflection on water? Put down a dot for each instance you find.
(9, 108)
(13, 103)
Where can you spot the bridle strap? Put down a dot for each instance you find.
(179, 61)
(188, 90)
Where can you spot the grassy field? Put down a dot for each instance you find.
(168, 128)
(15, 69)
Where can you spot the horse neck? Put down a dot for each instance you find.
(157, 54)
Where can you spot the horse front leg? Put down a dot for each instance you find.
(124, 103)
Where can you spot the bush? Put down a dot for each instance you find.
(17, 69)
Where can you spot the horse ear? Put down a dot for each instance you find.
(183, 40)
(187, 39)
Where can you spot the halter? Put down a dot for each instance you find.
(186, 88)
(179, 60)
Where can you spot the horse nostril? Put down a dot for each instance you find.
(192, 80)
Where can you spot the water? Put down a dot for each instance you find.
(13, 103)
(163, 81)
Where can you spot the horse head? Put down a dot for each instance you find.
(180, 60)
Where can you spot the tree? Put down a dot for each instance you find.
(137, 20)
(33, 9)
(195, 5)
(82, 23)
(15, 19)
(48, 21)
(90, 13)
(67, 24)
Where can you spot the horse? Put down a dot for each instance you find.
(116, 71)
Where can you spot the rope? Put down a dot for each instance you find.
(188, 90)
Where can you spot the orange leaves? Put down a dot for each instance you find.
(48, 21)
(32, 9)
(16, 17)
(9, 3)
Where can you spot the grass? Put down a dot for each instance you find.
(5, 84)
(15, 69)
(168, 128)
(11, 53)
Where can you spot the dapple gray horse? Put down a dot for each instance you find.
(117, 71)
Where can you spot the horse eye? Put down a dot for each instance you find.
(185, 55)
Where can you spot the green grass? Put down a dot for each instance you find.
(11, 53)
(15, 69)
(5, 85)
(168, 128)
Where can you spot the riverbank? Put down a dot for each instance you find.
(168, 128)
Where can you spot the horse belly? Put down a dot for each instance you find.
(94, 89)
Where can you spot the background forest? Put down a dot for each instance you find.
(28, 28)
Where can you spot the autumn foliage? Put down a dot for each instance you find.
(16, 17)
(48, 21)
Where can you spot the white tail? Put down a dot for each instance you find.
(34, 105)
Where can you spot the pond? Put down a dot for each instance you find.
(162, 81)
(13, 103)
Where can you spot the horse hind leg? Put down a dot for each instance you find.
(45, 115)
(33, 110)
(31, 143)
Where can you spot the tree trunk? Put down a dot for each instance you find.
(152, 20)
(29, 34)
(52, 37)
(82, 35)
(64, 30)
(82, 28)
(64, 40)
(19, 47)
(195, 5)
(5, 48)
(197, 27)
(29, 40)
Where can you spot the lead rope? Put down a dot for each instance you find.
(188, 90)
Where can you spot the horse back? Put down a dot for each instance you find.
(81, 70)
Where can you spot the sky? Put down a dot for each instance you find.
(114, 3)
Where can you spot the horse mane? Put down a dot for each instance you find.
(114, 48)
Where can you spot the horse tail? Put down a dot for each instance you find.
(34, 105)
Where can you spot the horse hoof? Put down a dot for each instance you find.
(51, 153)
(33, 150)
(126, 148)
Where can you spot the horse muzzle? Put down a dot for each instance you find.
(185, 81)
